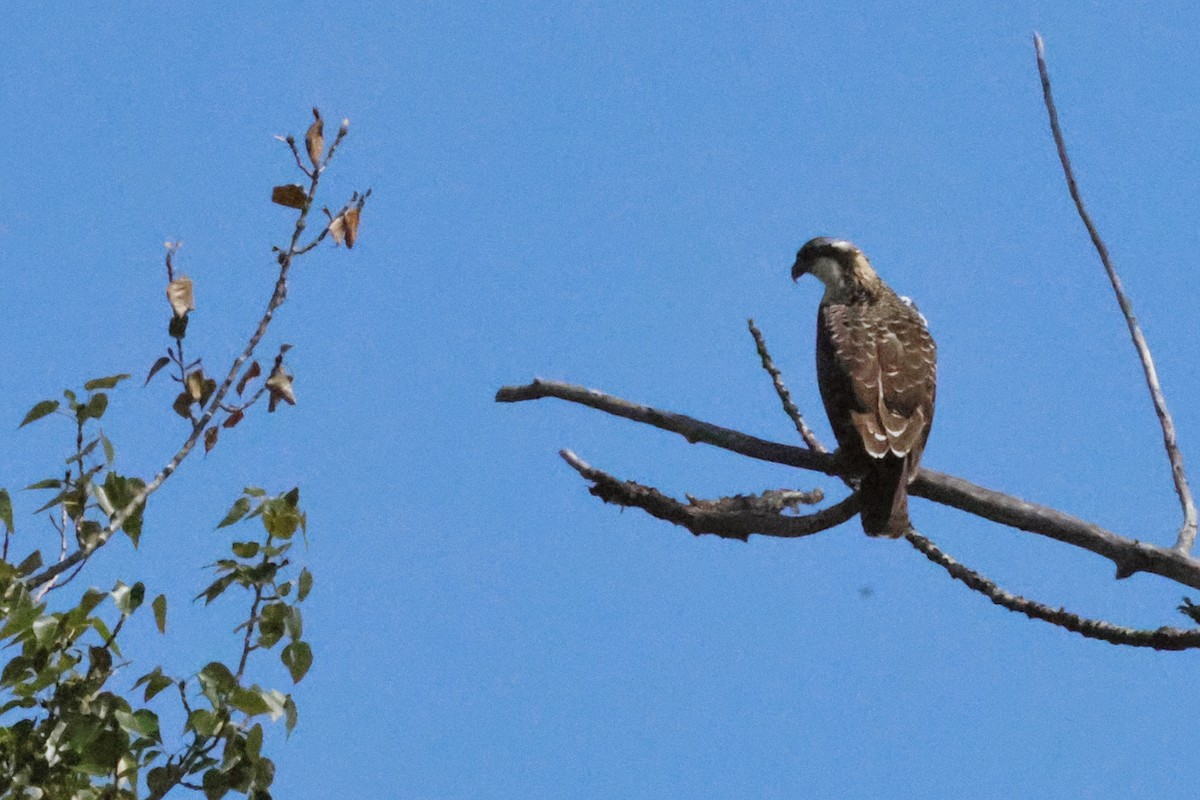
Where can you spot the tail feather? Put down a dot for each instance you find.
(884, 492)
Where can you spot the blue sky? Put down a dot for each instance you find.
(603, 193)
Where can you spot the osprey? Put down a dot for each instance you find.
(877, 372)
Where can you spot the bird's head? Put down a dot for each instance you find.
(839, 264)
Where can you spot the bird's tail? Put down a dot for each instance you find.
(884, 492)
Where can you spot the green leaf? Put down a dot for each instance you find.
(264, 776)
(160, 780)
(236, 512)
(58, 498)
(203, 722)
(294, 622)
(160, 612)
(48, 483)
(143, 722)
(305, 584)
(128, 598)
(105, 383)
(155, 682)
(218, 676)
(254, 740)
(120, 492)
(44, 630)
(291, 712)
(90, 599)
(96, 406)
(297, 657)
(6, 510)
(32, 561)
(216, 784)
(254, 491)
(280, 518)
(216, 588)
(245, 549)
(109, 452)
(38, 411)
(162, 362)
(271, 624)
(248, 701)
(88, 533)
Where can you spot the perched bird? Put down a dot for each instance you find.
(877, 372)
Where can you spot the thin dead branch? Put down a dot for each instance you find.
(1159, 638)
(785, 396)
(727, 517)
(1187, 532)
(1129, 555)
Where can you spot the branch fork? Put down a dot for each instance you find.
(738, 517)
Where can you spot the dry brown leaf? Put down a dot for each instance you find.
(210, 438)
(200, 388)
(179, 294)
(195, 384)
(314, 140)
(183, 405)
(291, 195)
(250, 374)
(280, 387)
(233, 419)
(337, 229)
(351, 226)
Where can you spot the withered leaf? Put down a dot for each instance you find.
(210, 438)
(291, 195)
(337, 229)
(344, 227)
(314, 140)
(351, 226)
(252, 372)
(162, 362)
(183, 405)
(280, 387)
(200, 388)
(233, 419)
(179, 293)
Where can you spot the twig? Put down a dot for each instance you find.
(1159, 639)
(1129, 555)
(692, 429)
(247, 646)
(781, 389)
(1187, 532)
(729, 518)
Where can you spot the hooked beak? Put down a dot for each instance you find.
(798, 269)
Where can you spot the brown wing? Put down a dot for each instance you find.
(877, 370)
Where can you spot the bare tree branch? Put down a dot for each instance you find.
(689, 428)
(1187, 532)
(781, 389)
(739, 517)
(1129, 555)
(1159, 639)
(728, 517)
